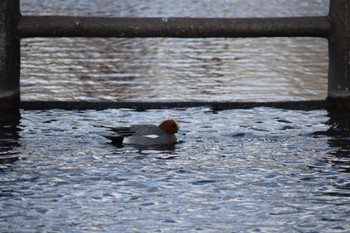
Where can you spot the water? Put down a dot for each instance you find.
(163, 69)
(262, 170)
(257, 170)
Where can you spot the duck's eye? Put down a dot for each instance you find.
(174, 125)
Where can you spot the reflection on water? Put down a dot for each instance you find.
(339, 138)
(167, 69)
(260, 169)
(174, 69)
(9, 136)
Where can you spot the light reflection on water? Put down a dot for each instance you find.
(175, 69)
(262, 169)
(163, 69)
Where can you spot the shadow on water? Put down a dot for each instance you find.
(339, 140)
(164, 151)
(9, 136)
(339, 135)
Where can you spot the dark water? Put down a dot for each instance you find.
(258, 170)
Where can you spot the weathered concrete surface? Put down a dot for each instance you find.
(216, 106)
(339, 52)
(61, 26)
(9, 54)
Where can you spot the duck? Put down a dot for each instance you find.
(146, 134)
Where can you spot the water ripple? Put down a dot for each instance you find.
(220, 173)
(168, 69)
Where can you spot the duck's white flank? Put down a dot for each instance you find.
(148, 134)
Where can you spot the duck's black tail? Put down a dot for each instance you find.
(116, 140)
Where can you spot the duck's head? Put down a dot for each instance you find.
(170, 126)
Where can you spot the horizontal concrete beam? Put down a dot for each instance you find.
(82, 105)
(66, 26)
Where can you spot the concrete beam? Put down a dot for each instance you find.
(9, 54)
(339, 54)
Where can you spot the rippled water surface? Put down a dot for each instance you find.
(153, 69)
(256, 170)
(261, 170)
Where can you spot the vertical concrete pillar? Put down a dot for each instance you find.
(9, 54)
(339, 54)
